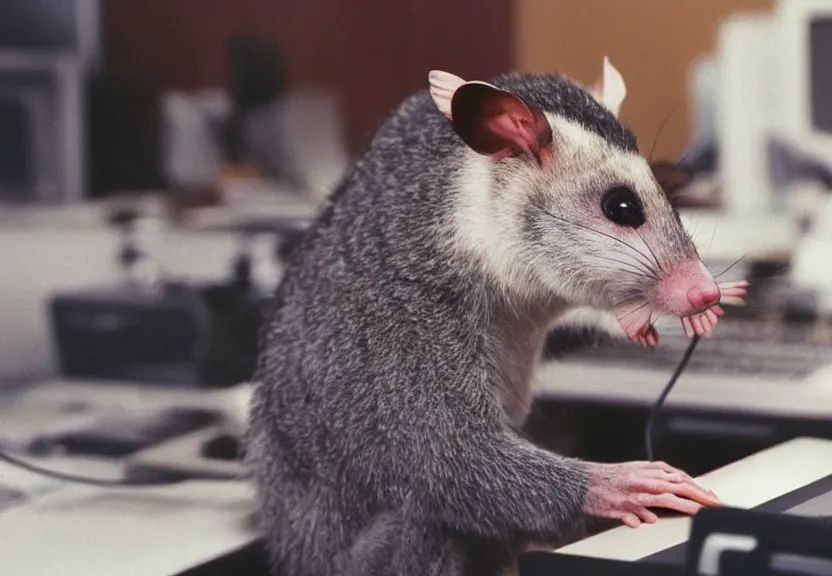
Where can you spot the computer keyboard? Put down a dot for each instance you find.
(738, 347)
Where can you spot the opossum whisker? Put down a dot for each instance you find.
(713, 235)
(634, 311)
(682, 160)
(655, 258)
(589, 229)
(734, 263)
(659, 132)
(639, 271)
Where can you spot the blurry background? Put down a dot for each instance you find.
(158, 158)
(215, 109)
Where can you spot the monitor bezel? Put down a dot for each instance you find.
(794, 18)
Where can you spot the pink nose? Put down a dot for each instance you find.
(704, 295)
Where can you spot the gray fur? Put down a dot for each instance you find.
(395, 373)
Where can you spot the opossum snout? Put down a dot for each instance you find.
(686, 289)
(703, 296)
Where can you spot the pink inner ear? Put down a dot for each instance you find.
(498, 124)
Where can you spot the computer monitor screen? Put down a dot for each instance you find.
(820, 58)
(44, 24)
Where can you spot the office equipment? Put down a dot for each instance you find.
(773, 90)
(158, 327)
(544, 564)
(130, 333)
(805, 41)
(783, 477)
(813, 501)
(729, 541)
(125, 531)
(723, 541)
(47, 48)
(747, 347)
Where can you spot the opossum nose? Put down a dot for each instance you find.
(704, 295)
(686, 288)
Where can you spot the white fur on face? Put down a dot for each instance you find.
(493, 196)
(487, 225)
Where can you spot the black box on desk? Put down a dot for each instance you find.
(130, 333)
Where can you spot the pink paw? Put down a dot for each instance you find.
(649, 337)
(638, 326)
(703, 323)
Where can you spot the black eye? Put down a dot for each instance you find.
(622, 206)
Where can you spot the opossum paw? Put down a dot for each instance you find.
(703, 323)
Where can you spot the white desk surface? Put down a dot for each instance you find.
(807, 398)
(743, 484)
(155, 531)
(91, 531)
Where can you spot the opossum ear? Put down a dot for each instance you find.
(442, 88)
(609, 89)
(496, 123)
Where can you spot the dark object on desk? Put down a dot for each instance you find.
(223, 447)
(229, 353)
(129, 333)
(809, 506)
(203, 335)
(775, 544)
(548, 564)
(236, 311)
(118, 438)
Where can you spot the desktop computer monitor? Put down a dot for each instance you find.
(47, 50)
(774, 90)
(805, 45)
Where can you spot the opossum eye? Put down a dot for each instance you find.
(622, 206)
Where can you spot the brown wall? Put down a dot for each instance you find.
(652, 43)
(371, 53)
(374, 52)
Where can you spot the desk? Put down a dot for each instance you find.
(743, 484)
(737, 393)
(91, 531)
(154, 531)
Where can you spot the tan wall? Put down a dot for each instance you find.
(652, 43)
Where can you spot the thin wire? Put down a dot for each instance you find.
(83, 479)
(651, 419)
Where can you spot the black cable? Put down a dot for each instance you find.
(648, 429)
(82, 479)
